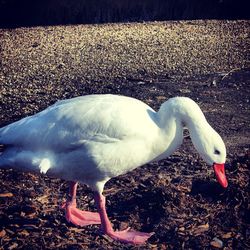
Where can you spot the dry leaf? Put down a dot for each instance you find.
(227, 235)
(30, 226)
(2, 233)
(201, 229)
(31, 216)
(3, 195)
(24, 233)
(13, 246)
(43, 199)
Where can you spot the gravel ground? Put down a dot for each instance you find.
(205, 60)
(43, 64)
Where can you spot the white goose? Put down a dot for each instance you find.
(93, 138)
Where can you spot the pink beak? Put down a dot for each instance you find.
(219, 170)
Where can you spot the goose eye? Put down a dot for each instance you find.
(217, 152)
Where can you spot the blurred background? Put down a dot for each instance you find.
(25, 13)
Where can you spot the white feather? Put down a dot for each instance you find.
(44, 166)
(94, 138)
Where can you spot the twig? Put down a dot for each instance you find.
(228, 73)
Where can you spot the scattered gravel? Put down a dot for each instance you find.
(44, 64)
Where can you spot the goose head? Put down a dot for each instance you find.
(212, 149)
(205, 139)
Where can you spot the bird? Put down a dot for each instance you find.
(93, 138)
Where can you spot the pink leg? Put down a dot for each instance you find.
(127, 235)
(75, 215)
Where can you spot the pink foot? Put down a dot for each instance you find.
(79, 217)
(128, 236)
(75, 215)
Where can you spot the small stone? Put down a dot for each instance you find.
(217, 243)
(141, 83)
(185, 91)
(214, 83)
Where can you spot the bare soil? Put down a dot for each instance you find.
(177, 198)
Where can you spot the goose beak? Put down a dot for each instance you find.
(219, 170)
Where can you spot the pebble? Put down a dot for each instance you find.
(141, 83)
(217, 243)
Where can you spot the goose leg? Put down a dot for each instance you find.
(127, 235)
(75, 215)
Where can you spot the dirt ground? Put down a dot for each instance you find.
(177, 198)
